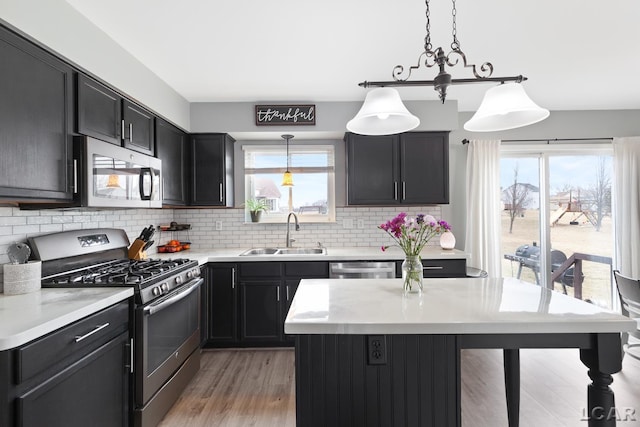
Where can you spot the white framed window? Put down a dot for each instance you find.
(312, 196)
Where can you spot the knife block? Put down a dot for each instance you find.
(136, 250)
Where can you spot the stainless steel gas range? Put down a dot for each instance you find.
(166, 317)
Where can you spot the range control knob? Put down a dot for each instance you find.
(196, 272)
(165, 287)
(155, 291)
(178, 280)
(189, 274)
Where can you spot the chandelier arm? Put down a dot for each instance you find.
(399, 83)
(486, 69)
(398, 70)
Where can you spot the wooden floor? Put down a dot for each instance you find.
(256, 388)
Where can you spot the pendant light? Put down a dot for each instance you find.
(287, 178)
(383, 113)
(503, 107)
(516, 109)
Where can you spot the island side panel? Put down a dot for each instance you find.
(418, 385)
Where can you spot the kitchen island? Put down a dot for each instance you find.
(366, 355)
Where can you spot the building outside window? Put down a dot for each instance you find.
(312, 197)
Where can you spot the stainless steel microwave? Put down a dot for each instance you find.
(116, 177)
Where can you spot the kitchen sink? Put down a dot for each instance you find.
(284, 251)
(260, 251)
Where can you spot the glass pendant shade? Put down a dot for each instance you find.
(113, 182)
(287, 179)
(382, 113)
(503, 107)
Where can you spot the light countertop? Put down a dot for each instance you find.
(447, 306)
(333, 254)
(29, 316)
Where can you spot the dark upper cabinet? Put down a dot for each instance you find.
(138, 124)
(424, 167)
(373, 171)
(408, 168)
(211, 171)
(171, 148)
(36, 120)
(99, 111)
(104, 114)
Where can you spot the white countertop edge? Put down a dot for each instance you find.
(455, 329)
(368, 253)
(37, 331)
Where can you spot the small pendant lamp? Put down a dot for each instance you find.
(287, 178)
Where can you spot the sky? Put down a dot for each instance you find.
(575, 171)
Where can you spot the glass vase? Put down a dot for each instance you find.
(412, 274)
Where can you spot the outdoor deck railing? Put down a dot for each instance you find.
(575, 260)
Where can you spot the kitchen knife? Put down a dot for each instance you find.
(147, 245)
(143, 233)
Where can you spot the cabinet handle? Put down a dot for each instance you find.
(75, 176)
(221, 192)
(233, 278)
(435, 267)
(130, 365)
(130, 132)
(87, 335)
(404, 185)
(395, 190)
(278, 293)
(122, 131)
(287, 292)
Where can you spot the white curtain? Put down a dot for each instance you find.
(482, 242)
(626, 165)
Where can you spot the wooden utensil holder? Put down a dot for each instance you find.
(136, 250)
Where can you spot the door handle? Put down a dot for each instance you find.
(130, 132)
(94, 331)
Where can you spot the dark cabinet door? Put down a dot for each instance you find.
(408, 168)
(223, 303)
(211, 170)
(91, 392)
(138, 128)
(372, 170)
(260, 311)
(36, 110)
(424, 160)
(99, 112)
(171, 148)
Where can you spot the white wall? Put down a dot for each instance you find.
(58, 26)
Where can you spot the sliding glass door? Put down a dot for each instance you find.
(557, 226)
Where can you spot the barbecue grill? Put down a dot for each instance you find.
(529, 256)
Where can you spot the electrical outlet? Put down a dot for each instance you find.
(360, 223)
(347, 223)
(376, 350)
(218, 225)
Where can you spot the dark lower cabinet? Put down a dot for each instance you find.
(222, 315)
(171, 148)
(91, 392)
(36, 120)
(439, 268)
(76, 376)
(260, 311)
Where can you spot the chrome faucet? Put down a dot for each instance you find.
(289, 240)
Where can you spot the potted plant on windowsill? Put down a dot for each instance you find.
(256, 207)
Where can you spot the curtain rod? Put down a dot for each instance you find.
(548, 140)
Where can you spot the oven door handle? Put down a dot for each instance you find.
(184, 292)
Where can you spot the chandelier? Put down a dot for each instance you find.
(505, 106)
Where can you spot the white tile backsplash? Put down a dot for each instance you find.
(236, 233)
(17, 225)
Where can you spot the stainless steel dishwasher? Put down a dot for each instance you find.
(362, 270)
